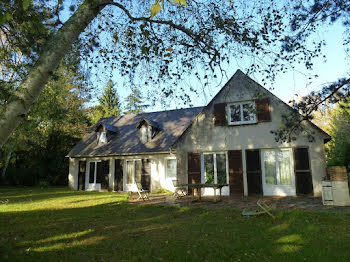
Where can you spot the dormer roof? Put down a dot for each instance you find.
(106, 127)
(148, 122)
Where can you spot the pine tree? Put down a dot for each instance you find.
(109, 104)
(135, 104)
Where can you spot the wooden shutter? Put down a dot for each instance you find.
(104, 174)
(92, 173)
(263, 110)
(235, 171)
(254, 172)
(193, 169)
(303, 177)
(146, 174)
(220, 114)
(118, 175)
(99, 172)
(81, 175)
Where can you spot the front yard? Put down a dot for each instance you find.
(61, 225)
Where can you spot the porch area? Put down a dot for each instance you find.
(240, 202)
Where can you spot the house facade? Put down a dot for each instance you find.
(229, 141)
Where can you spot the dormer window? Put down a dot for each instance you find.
(103, 137)
(104, 132)
(148, 130)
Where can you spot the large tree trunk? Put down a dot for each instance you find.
(55, 49)
(7, 161)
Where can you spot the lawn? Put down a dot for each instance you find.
(60, 225)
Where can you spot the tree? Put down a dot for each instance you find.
(37, 149)
(109, 104)
(172, 42)
(338, 149)
(134, 102)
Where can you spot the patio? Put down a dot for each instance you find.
(241, 202)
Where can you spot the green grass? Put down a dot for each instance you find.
(59, 225)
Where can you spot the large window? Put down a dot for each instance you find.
(215, 171)
(171, 168)
(133, 171)
(241, 113)
(277, 167)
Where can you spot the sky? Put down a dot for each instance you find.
(286, 86)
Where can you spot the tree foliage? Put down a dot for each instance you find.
(134, 102)
(109, 104)
(167, 41)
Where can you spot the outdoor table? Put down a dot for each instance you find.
(198, 187)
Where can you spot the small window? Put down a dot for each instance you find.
(147, 133)
(241, 113)
(102, 137)
(171, 168)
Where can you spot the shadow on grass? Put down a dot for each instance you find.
(117, 231)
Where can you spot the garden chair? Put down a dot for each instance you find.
(142, 192)
(263, 208)
(179, 190)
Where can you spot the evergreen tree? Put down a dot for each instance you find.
(109, 104)
(135, 104)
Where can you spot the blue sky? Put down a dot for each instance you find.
(285, 87)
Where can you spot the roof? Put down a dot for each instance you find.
(108, 127)
(172, 124)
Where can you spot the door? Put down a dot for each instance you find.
(235, 172)
(278, 172)
(303, 178)
(146, 174)
(105, 174)
(254, 172)
(118, 175)
(81, 175)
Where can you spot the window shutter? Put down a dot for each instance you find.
(81, 175)
(303, 177)
(263, 110)
(220, 114)
(193, 169)
(118, 175)
(105, 174)
(254, 172)
(146, 174)
(235, 171)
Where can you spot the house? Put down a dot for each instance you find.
(227, 141)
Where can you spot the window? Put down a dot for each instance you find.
(95, 169)
(102, 137)
(171, 168)
(241, 113)
(146, 133)
(215, 168)
(277, 167)
(133, 171)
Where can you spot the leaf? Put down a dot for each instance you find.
(180, 2)
(26, 4)
(155, 9)
(170, 49)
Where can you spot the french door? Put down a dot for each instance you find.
(278, 172)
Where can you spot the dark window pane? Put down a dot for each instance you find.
(235, 113)
(209, 168)
(92, 172)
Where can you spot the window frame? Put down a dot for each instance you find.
(166, 168)
(95, 171)
(242, 122)
(203, 176)
(134, 170)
